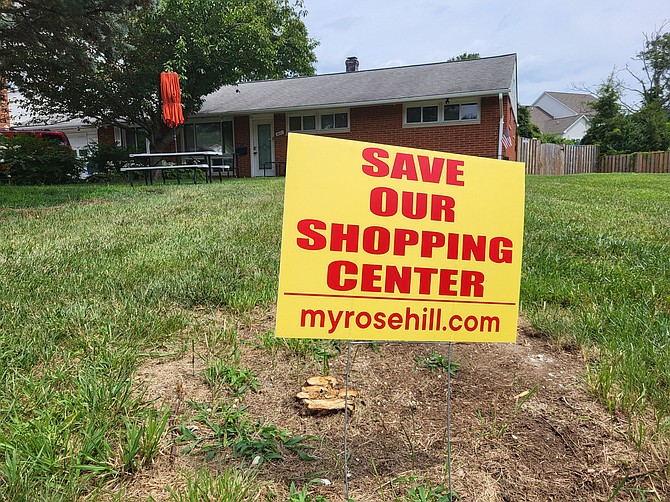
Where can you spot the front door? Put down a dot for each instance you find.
(262, 149)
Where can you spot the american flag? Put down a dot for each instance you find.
(506, 140)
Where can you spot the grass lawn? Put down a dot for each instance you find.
(596, 273)
(97, 278)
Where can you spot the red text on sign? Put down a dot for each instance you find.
(376, 240)
(345, 275)
(385, 201)
(412, 167)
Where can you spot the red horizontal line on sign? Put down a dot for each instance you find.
(321, 295)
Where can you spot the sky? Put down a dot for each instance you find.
(562, 46)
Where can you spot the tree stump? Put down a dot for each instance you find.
(325, 395)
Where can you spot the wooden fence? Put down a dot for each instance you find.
(549, 158)
(653, 162)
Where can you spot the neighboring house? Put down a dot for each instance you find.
(81, 134)
(566, 114)
(466, 107)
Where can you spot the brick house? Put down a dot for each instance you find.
(467, 107)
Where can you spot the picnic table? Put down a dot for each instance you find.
(198, 161)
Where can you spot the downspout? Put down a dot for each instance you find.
(500, 128)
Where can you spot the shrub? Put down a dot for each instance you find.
(108, 158)
(31, 160)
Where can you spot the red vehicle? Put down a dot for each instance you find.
(46, 134)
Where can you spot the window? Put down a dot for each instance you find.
(464, 111)
(302, 123)
(414, 115)
(209, 136)
(135, 141)
(325, 121)
(435, 113)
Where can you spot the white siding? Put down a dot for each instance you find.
(553, 107)
(577, 130)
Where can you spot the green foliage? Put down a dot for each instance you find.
(303, 495)
(435, 362)
(655, 58)
(525, 127)
(646, 129)
(209, 43)
(105, 157)
(653, 127)
(415, 489)
(31, 30)
(232, 485)
(237, 379)
(611, 129)
(557, 139)
(466, 56)
(232, 428)
(31, 160)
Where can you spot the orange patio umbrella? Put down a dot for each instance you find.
(171, 99)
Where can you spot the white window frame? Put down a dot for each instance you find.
(441, 103)
(318, 114)
(187, 129)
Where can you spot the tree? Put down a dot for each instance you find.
(652, 117)
(466, 56)
(209, 43)
(31, 29)
(655, 59)
(611, 129)
(526, 128)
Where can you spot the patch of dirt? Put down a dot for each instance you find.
(523, 426)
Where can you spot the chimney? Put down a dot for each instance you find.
(351, 64)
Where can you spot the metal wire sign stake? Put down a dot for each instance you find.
(346, 455)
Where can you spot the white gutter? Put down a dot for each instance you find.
(500, 128)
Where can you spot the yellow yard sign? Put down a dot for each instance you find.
(392, 243)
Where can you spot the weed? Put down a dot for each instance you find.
(435, 362)
(234, 484)
(237, 379)
(303, 495)
(321, 351)
(517, 407)
(143, 441)
(422, 490)
(232, 428)
(496, 429)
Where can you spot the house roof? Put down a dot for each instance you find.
(538, 115)
(387, 85)
(577, 102)
(558, 126)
